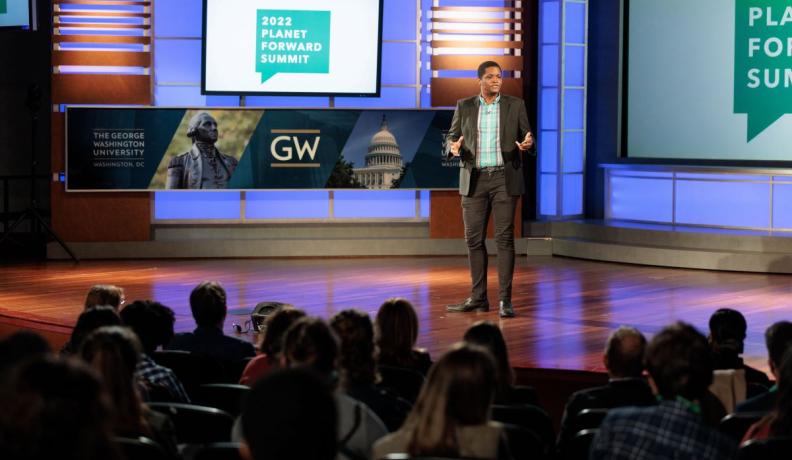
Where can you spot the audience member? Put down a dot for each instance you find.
(623, 358)
(680, 371)
(114, 352)
(55, 408)
(19, 346)
(397, 332)
(451, 416)
(104, 295)
(358, 366)
(275, 326)
(311, 343)
(290, 414)
(778, 423)
(726, 340)
(208, 306)
(778, 339)
(153, 324)
(488, 335)
(89, 321)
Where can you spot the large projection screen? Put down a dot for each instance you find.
(294, 47)
(695, 79)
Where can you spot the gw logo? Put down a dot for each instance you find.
(285, 147)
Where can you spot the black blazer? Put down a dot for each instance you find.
(513, 127)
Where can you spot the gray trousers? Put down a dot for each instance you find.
(489, 196)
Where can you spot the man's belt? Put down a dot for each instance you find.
(490, 169)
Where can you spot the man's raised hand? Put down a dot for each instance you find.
(456, 146)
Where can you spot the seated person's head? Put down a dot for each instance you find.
(208, 304)
(357, 359)
(311, 343)
(488, 335)
(89, 321)
(458, 391)
(679, 362)
(20, 346)
(727, 330)
(151, 321)
(56, 408)
(396, 331)
(104, 295)
(290, 414)
(778, 339)
(275, 326)
(624, 353)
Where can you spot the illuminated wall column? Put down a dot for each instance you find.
(562, 107)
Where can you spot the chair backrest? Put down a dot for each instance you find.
(736, 425)
(533, 418)
(765, 449)
(579, 446)
(218, 451)
(197, 424)
(140, 448)
(192, 369)
(229, 397)
(406, 382)
(729, 386)
(588, 418)
(524, 444)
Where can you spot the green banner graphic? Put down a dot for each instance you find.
(3, 6)
(292, 41)
(762, 62)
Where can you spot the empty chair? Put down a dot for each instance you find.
(765, 449)
(578, 447)
(588, 418)
(531, 417)
(228, 397)
(218, 451)
(197, 424)
(736, 425)
(141, 448)
(406, 382)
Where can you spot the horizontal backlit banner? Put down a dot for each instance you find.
(158, 149)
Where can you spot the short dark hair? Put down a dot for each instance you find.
(396, 332)
(482, 68)
(208, 303)
(291, 413)
(357, 358)
(20, 346)
(151, 321)
(778, 338)
(625, 350)
(310, 342)
(679, 361)
(89, 321)
(727, 329)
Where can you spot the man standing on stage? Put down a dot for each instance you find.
(488, 133)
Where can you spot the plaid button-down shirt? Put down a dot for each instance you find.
(489, 152)
(666, 431)
(151, 374)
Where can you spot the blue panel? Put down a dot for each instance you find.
(782, 178)
(573, 152)
(426, 203)
(178, 19)
(222, 101)
(196, 205)
(311, 204)
(641, 199)
(575, 22)
(572, 194)
(177, 61)
(573, 109)
(548, 151)
(549, 109)
(398, 63)
(374, 204)
(550, 22)
(473, 74)
(399, 20)
(550, 65)
(637, 172)
(574, 69)
(723, 204)
(389, 97)
(782, 206)
(178, 96)
(286, 101)
(723, 177)
(548, 195)
(426, 98)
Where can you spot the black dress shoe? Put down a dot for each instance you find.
(468, 305)
(505, 309)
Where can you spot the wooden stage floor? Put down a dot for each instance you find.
(565, 308)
